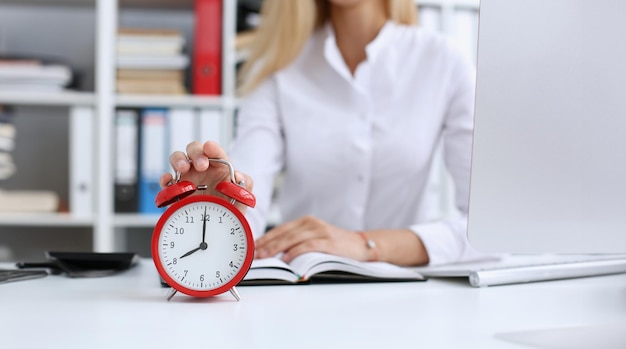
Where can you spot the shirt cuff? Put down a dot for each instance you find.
(446, 242)
(442, 245)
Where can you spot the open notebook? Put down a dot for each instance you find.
(513, 269)
(320, 267)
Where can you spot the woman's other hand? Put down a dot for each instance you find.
(308, 234)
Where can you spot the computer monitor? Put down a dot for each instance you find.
(549, 153)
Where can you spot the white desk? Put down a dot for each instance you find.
(130, 311)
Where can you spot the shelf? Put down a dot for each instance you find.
(185, 4)
(172, 101)
(44, 220)
(65, 98)
(450, 3)
(50, 2)
(135, 220)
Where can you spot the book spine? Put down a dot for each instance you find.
(153, 157)
(207, 40)
(181, 129)
(210, 126)
(126, 195)
(81, 161)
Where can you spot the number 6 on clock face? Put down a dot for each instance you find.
(202, 246)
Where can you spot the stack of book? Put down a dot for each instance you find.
(28, 201)
(7, 143)
(151, 61)
(33, 75)
(18, 200)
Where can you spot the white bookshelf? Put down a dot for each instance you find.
(134, 220)
(45, 220)
(172, 101)
(103, 223)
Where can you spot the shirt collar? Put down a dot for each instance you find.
(372, 50)
(332, 54)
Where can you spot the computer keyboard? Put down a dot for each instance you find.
(512, 269)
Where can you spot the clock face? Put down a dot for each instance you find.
(202, 246)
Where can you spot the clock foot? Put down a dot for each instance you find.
(171, 294)
(235, 293)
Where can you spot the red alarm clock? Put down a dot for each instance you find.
(202, 245)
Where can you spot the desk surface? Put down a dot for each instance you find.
(130, 311)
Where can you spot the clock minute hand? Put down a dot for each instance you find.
(191, 252)
(203, 245)
(204, 225)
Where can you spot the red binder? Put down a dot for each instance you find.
(207, 48)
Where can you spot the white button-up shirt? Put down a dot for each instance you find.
(356, 150)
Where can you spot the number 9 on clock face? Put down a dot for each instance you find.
(202, 246)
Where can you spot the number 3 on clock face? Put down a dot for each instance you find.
(203, 246)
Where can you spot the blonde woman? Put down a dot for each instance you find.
(348, 100)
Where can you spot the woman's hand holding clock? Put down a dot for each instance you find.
(195, 167)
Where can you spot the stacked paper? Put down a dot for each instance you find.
(7, 143)
(31, 75)
(28, 201)
(150, 61)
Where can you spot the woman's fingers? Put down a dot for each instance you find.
(311, 245)
(179, 162)
(248, 183)
(198, 158)
(166, 179)
(199, 155)
(213, 150)
(286, 236)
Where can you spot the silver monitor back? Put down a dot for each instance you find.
(549, 153)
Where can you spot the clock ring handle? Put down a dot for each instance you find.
(231, 169)
(236, 191)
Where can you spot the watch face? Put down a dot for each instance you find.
(202, 244)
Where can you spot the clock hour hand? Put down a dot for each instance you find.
(192, 251)
(203, 246)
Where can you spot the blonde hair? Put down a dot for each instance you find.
(286, 26)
